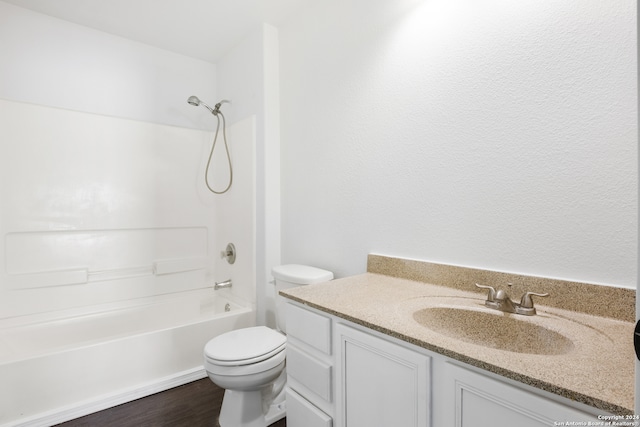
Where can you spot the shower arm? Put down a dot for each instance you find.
(213, 111)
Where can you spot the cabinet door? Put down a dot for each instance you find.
(380, 383)
(476, 400)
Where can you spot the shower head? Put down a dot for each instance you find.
(194, 100)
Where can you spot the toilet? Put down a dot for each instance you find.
(249, 363)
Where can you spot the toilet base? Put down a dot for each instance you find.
(277, 411)
(241, 408)
(245, 409)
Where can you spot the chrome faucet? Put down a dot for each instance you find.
(225, 284)
(500, 301)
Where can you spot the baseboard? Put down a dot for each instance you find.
(100, 403)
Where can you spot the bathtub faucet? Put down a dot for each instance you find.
(225, 284)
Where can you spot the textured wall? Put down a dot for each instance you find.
(499, 135)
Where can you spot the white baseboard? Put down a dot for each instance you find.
(100, 403)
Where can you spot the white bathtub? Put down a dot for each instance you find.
(60, 366)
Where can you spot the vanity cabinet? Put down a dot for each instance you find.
(345, 375)
(472, 399)
(310, 374)
(379, 383)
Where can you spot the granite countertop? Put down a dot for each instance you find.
(598, 370)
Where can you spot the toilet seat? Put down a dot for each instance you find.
(274, 362)
(249, 361)
(244, 346)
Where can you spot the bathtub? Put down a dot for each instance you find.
(60, 366)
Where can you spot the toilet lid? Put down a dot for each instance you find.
(248, 345)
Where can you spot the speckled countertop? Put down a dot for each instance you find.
(596, 367)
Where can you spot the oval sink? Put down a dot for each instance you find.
(494, 330)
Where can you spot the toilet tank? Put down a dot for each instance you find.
(292, 275)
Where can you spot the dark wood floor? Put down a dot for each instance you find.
(196, 404)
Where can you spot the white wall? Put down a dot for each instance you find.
(52, 62)
(499, 135)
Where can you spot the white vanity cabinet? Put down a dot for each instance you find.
(379, 383)
(468, 398)
(310, 376)
(345, 375)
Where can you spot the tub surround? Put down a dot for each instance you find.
(599, 371)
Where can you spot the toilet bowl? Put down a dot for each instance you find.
(246, 363)
(249, 363)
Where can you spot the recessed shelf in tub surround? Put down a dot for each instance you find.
(597, 371)
(41, 259)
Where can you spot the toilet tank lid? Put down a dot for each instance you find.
(301, 274)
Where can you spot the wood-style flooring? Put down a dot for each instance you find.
(196, 404)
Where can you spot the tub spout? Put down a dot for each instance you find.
(225, 284)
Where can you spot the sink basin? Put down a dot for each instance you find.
(494, 329)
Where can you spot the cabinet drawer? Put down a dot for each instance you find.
(308, 327)
(301, 413)
(312, 373)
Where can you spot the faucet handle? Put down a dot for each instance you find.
(492, 292)
(229, 253)
(527, 302)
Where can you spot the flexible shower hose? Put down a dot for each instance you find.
(213, 146)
